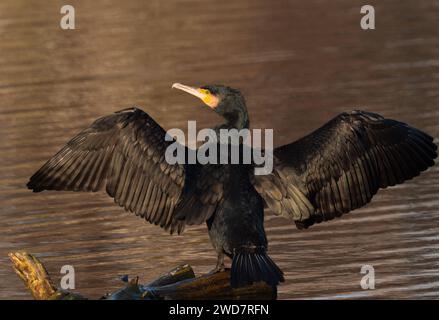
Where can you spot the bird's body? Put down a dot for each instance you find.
(237, 228)
(241, 206)
(334, 170)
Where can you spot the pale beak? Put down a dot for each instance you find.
(203, 94)
(190, 90)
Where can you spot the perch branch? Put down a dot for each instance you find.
(179, 283)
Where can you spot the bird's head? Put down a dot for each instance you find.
(226, 101)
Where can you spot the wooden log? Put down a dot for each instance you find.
(34, 275)
(179, 283)
(215, 286)
(177, 274)
(36, 278)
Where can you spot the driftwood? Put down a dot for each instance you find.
(179, 283)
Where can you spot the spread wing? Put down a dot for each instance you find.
(340, 166)
(125, 154)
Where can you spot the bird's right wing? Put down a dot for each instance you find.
(125, 153)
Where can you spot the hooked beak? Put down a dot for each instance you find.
(191, 90)
(205, 96)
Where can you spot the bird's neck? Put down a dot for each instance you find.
(237, 118)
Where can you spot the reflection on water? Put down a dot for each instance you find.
(298, 64)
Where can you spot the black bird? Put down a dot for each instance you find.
(333, 170)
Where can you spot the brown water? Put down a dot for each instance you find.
(298, 63)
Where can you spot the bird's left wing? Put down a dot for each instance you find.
(340, 166)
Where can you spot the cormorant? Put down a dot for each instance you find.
(334, 170)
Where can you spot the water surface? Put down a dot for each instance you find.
(298, 64)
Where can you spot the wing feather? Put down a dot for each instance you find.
(125, 153)
(340, 166)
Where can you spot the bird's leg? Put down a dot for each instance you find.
(219, 264)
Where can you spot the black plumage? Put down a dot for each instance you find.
(340, 166)
(334, 170)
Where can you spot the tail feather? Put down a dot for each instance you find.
(249, 267)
